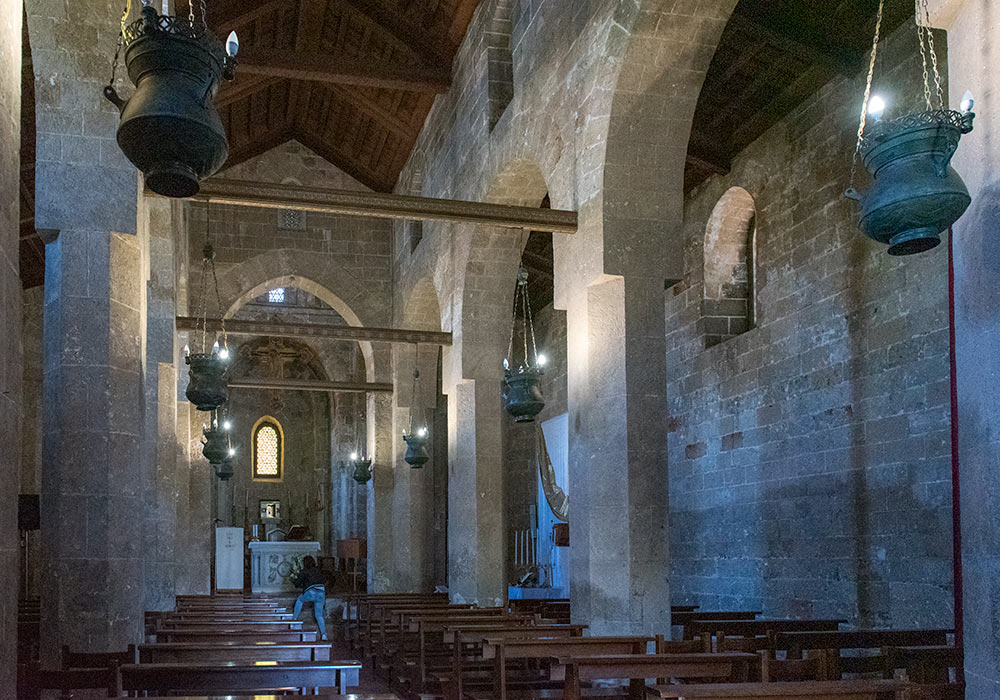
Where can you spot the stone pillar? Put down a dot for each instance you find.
(92, 489)
(617, 457)
(381, 521)
(93, 486)
(972, 38)
(10, 335)
(157, 231)
(476, 528)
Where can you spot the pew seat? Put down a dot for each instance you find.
(225, 677)
(811, 690)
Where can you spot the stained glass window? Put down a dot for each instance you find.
(276, 296)
(267, 449)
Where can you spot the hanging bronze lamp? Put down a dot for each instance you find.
(915, 194)
(170, 128)
(522, 391)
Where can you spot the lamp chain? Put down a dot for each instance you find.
(925, 31)
(191, 13)
(868, 91)
(416, 376)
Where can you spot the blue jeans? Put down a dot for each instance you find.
(317, 596)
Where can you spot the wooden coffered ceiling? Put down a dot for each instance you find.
(773, 54)
(352, 80)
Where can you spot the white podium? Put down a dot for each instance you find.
(229, 558)
(271, 563)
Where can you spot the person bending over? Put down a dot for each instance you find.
(315, 592)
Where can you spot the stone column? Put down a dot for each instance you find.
(381, 521)
(972, 36)
(476, 528)
(157, 225)
(93, 488)
(10, 335)
(619, 571)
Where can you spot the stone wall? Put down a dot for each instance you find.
(809, 457)
(31, 419)
(10, 332)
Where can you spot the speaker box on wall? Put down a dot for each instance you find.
(28, 517)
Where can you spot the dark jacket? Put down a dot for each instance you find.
(310, 577)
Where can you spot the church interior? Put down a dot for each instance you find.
(500, 349)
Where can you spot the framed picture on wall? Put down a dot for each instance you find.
(270, 510)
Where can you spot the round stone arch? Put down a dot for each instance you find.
(491, 272)
(318, 291)
(657, 89)
(421, 311)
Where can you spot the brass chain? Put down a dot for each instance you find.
(934, 62)
(218, 297)
(191, 13)
(922, 40)
(868, 91)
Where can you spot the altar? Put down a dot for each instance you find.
(272, 562)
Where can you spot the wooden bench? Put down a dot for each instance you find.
(226, 615)
(757, 627)
(304, 676)
(230, 625)
(832, 644)
(732, 667)
(33, 681)
(420, 637)
(501, 650)
(211, 634)
(190, 652)
(810, 690)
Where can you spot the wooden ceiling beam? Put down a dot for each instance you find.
(281, 329)
(243, 86)
(311, 385)
(297, 65)
(381, 205)
(780, 35)
(429, 49)
(373, 109)
(248, 150)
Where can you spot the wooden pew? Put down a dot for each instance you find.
(233, 625)
(757, 627)
(729, 666)
(32, 682)
(809, 690)
(190, 652)
(226, 677)
(420, 637)
(928, 664)
(377, 619)
(226, 615)
(503, 649)
(212, 634)
(832, 643)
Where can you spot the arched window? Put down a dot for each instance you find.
(729, 300)
(268, 442)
